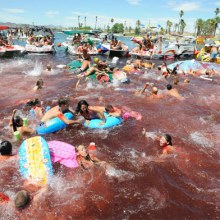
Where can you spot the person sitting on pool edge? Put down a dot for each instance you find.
(90, 112)
(58, 111)
(16, 124)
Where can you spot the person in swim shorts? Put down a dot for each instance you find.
(58, 111)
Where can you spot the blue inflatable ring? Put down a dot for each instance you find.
(53, 125)
(110, 122)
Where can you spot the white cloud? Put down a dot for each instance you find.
(52, 14)
(217, 3)
(14, 10)
(186, 6)
(134, 2)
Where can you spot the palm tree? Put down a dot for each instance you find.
(217, 10)
(169, 24)
(112, 21)
(85, 21)
(181, 15)
(183, 25)
(96, 18)
(78, 21)
(217, 21)
(138, 23)
(176, 27)
(199, 25)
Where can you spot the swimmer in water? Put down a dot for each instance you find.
(39, 85)
(22, 199)
(175, 81)
(5, 151)
(59, 111)
(49, 68)
(173, 92)
(35, 106)
(90, 112)
(16, 124)
(85, 159)
(166, 144)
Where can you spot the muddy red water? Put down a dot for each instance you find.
(138, 184)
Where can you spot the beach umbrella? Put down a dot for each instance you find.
(188, 65)
(3, 28)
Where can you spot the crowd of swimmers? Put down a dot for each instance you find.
(85, 112)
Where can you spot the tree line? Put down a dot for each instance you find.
(202, 27)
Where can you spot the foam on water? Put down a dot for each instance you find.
(150, 134)
(36, 71)
(121, 175)
(200, 139)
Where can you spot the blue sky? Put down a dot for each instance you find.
(66, 12)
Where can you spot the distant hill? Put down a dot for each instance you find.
(13, 25)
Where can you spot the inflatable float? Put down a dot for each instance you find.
(3, 198)
(63, 153)
(53, 125)
(205, 77)
(110, 122)
(34, 160)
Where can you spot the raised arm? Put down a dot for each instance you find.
(67, 121)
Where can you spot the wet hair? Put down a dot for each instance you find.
(49, 67)
(168, 139)
(207, 72)
(36, 102)
(175, 81)
(17, 121)
(155, 90)
(186, 81)
(80, 103)
(169, 87)
(6, 148)
(22, 198)
(39, 83)
(31, 103)
(108, 108)
(159, 68)
(63, 101)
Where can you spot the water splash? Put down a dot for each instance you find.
(200, 139)
(121, 175)
(36, 71)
